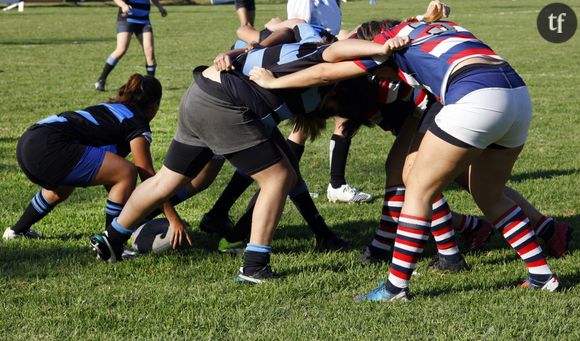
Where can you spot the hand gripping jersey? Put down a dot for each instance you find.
(281, 60)
(435, 49)
(139, 13)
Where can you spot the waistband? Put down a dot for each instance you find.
(479, 76)
(208, 86)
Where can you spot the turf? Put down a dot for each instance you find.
(54, 289)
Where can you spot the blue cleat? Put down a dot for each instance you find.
(381, 294)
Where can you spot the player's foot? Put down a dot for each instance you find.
(381, 294)
(558, 244)
(551, 285)
(106, 251)
(265, 274)
(373, 255)
(235, 248)
(100, 85)
(345, 193)
(332, 243)
(474, 240)
(220, 226)
(442, 264)
(10, 234)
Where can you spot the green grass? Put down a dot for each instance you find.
(54, 289)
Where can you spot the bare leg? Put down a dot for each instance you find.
(275, 183)
(150, 194)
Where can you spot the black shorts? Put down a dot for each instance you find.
(189, 160)
(47, 156)
(138, 29)
(250, 5)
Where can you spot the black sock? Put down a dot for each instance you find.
(237, 185)
(109, 66)
(339, 147)
(297, 149)
(255, 261)
(119, 235)
(36, 210)
(301, 198)
(151, 69)
(112, 211)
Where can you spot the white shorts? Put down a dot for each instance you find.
(486, 117)
(325, 13)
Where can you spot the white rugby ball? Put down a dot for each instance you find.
(152, 236)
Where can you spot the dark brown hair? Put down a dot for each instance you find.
(368, 30)
(141, 91)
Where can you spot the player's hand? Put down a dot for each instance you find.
(223, 62)
(262, 77)
(270, 25)
(396, 43)
(163, 12)
(437, 10)
(125, 9)
(179, 235)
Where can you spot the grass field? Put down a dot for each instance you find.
(54, 289)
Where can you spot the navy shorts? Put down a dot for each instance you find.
(86, 169)
(138, 29)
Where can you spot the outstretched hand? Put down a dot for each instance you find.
(179, 235)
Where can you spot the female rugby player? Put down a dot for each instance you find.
(86, 148)
(132, 18)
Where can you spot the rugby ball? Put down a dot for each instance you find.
(152, 236)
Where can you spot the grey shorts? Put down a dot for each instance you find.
(207, 121)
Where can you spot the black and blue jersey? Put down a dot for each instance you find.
(139, 13)
(56, 144)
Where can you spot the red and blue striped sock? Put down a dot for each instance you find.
(515, 227)
(387, 230)
(412, 234)
(442, 230)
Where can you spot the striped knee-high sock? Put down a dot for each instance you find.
(544, 228)
(412, 234)
(38, 208)
(469, 223)
(515, 227)
(112, 211)
(442, 230)
(387, 230)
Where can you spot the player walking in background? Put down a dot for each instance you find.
(132, 18)
(86, 148)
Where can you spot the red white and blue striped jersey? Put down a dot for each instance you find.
(434, 50)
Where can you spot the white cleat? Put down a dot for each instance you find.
(10, 234)
(345, 193)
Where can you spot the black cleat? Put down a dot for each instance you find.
(100, 85)
(441, 264)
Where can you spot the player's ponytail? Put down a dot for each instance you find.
(141, 91)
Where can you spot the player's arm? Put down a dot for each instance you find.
(325, 73)
(275, 25)
(160, 8)
(351, 49)
(144, 163)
